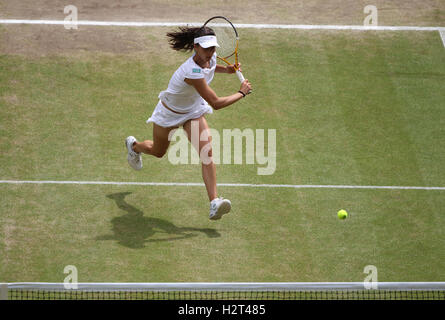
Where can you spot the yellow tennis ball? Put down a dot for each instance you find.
(342, 214)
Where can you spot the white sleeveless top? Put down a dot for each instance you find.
(182, 97)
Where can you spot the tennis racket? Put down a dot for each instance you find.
(228, 40)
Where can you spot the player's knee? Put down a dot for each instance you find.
(206, 145)
(206, 155)
(159, 153)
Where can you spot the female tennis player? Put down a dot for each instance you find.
(189, 98)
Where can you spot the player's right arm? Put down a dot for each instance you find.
(210, 96)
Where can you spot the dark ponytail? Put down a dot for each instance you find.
(182, 40)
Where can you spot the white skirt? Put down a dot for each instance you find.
(166, 118)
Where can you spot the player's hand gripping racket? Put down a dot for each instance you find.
(228, 40)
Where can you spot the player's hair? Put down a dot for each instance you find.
(182, 40)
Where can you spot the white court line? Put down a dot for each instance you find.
(238, 25)
(192, 184)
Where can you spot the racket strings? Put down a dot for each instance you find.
(226, 37)
(226, 41)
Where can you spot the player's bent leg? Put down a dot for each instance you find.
(159, 145)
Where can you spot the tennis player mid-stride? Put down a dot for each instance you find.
(189, 98)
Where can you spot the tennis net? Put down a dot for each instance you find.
(224, 291)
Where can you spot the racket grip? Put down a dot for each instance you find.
(240, 76)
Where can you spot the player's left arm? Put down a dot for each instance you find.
(210, 96)
(226, 69)
(221, 69)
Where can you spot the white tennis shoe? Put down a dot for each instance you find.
(134, 158)
(219, 207)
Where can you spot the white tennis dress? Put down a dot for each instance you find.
(182, 97)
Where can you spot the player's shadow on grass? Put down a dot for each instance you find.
(133, 230)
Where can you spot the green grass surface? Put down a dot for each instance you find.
(356, 108)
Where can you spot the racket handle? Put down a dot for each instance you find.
(240, 76)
